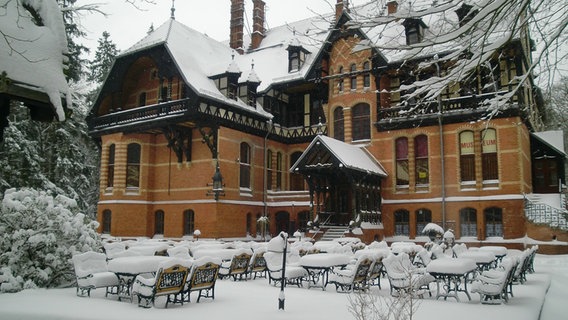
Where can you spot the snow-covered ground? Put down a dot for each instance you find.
(255, 299)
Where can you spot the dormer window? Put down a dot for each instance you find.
(228, 82)
(414, 30)
(465, 14)
(296, 56)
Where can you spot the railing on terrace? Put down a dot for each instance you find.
(179, 108)
(467, 103)
(136, 115)
(542, 213)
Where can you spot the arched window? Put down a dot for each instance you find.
(296, 179)
(340, 80)
(110, 166)
(353, 69)
(401, 222)
(493, 222)
(489, 165)
(423, 217)
(133, 166)
(468, 222)
(421, 159)
(159, 222)
(467, 157)
(279, 168)
(367, 74)
(338, 124)
(269, 170)
(188, 222)
(402, 174)
(245, 166)
(107, 219)
(361, 122)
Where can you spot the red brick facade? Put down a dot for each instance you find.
(174, 187)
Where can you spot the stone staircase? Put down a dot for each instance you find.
(539, 210)
(333, 232)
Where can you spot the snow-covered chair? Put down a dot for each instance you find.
(202, 278)
(112, 249)
(257, 263)
(493, 285)
(423, 258)
(238, 266)
(170, 281)
(404, 277)
(294, 273)
(92, 272)
(458, 249)
(353, 277)
(181, 252)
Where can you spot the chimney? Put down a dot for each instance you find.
(237, 24)
(257, 24)
(339, 7)
(392, 6)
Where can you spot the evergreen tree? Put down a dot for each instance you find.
(77, 51)
(104, 56)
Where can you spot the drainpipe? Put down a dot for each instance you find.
(442, 162)
(265, 171)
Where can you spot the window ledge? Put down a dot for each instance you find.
(132, 191)
(245, 192)
(108, 190)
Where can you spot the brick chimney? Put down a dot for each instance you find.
(392, 6)
(237, 24)
(257, 24)
(339, 7)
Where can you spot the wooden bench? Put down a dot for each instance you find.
(238, 268)
(169, 281)
(353, 278)
(202, 279)
(258, 265)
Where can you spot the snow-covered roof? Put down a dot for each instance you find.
(350, 156)
(33, 55)
(197, 57)
(553, 138)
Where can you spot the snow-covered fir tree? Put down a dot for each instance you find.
(102, 61)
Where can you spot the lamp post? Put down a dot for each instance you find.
(217, 184)
(281, 297)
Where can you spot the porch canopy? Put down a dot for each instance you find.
(344, 181)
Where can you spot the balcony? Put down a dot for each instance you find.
(467, 108)
(146, 116)
(151, 118)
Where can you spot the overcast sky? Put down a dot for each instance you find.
(127, 24)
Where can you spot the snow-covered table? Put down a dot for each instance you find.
(319, 264)
(127, 268)
(451, 273)
(498, 251)
(483, 259)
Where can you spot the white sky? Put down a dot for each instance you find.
(127, 24)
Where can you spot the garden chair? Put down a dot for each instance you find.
(352, 277)
(91, 272)
(169, 281)
(493, 285)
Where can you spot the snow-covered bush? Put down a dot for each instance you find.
(39, 234)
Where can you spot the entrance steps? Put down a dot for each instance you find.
(333, 232)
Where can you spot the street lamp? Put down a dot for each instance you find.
(281, 297)
(217, 184)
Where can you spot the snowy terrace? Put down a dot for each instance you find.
(152, 116)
